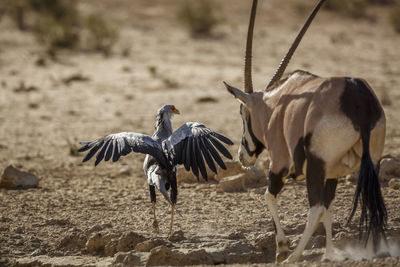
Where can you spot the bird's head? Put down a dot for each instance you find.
(167, 110)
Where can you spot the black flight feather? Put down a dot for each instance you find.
(200, 161)
(207, 155)
(214, 154)
(100, 155)
(109, 150)
(93, 150)
(220, 147)
(223, 138)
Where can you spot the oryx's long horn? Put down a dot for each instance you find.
(248, 83)
(285, 61)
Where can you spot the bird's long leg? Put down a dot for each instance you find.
(174, 195)
(153, 203)
(172, 218)
(155, 223)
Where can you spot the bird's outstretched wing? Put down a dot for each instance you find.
(193, 143)
(116, 145)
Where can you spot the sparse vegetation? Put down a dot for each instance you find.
(199, 17)
(354, 8)
(102, 36)
(54, 34)
(152, 70)
(300, 7)
(168, 82)
(57, 24)
(394, 17)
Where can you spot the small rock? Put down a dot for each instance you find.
(389, 167)
(95, 243)
(111, 247)
(232, 183)
(394, 183)
(255, 177)
(232, 168)
(239, 247)
(74, 241)
(13, 178)
(148, 245)
(165, 256)
(217, 255)
(128, 241)
(245, 258)
(184, 176)
(197, 257)
(177, 236)
(236, 236)
(266, 242)
(127, 259)
(125, 171)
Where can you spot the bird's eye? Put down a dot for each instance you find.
(173, 108)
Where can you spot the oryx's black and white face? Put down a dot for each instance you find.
(250, 147)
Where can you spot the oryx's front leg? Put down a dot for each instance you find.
(275, 186)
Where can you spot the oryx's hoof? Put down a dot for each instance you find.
(282, 255)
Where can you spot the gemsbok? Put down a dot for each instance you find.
(320, 129)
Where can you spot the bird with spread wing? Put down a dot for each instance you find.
(193, 145)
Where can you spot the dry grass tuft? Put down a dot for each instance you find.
(199, 17)
(101, 35)
(394, 17)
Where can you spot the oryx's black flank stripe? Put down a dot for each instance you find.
(359, 104)
(259, 146)
(315, 175)
(315, 179)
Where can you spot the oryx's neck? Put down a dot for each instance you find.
(260, 116)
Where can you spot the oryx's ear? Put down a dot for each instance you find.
(243, 97)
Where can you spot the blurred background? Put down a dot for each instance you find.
(70, 66)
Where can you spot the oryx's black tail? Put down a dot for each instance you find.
(373, 218)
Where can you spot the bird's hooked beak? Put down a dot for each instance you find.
(175, 110)
(160, 185)
(164, 192)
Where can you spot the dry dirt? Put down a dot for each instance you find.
(75, 201)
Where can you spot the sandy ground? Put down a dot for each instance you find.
(37, 126)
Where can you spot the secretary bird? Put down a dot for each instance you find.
(320, 129)
(189, 145)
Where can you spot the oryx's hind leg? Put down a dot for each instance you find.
(315, 187)
(329, 195)
(275, 186)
